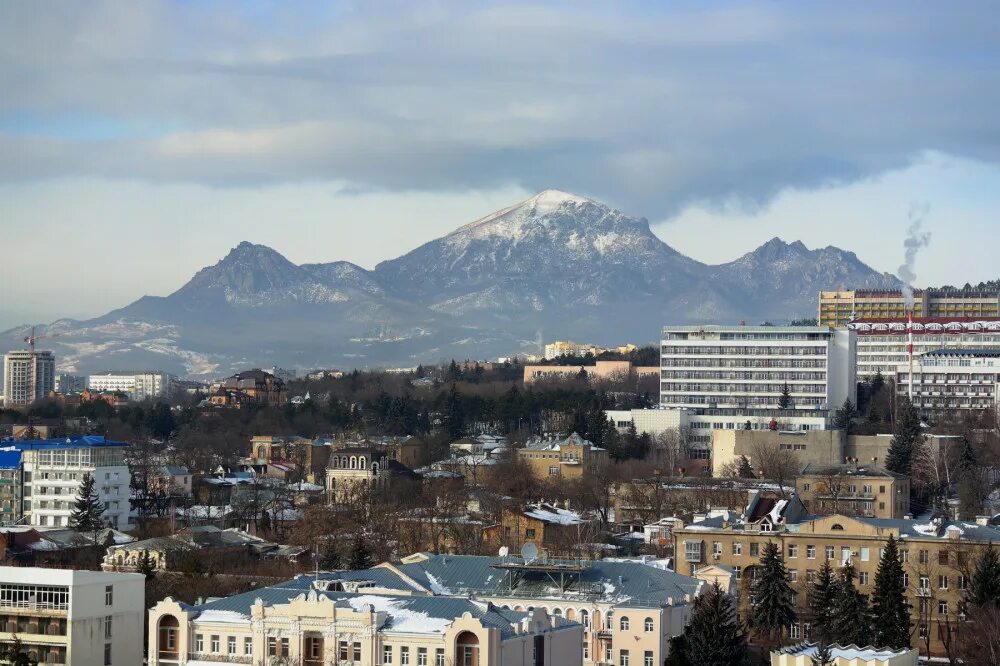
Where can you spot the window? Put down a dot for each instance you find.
(925, 583)
(216, 644)
(585, 619)
(865, 554)
(906, 579)
(943, 557)
(904, 556)
(386, 654)
(942, 582)
(810, 575)
(586, 651)
(962, 584)
(793, 576)
(529, 533)
(811, 552)
(647, 625)
(737, 548)
(356, 652)
(716, 548)
(754, 550)
(231, 645)
(923, 557)
(404, 656)
(845, 553)
(107, 654)
(794, 631)
(107, 627)
(829, 552)
(942, 607)
(421, 656)
(793, 550)
(553, 471)
(862, 578)
(805, 487)
(199, 643)
(109, 595)
(647, 658)
(284, 646)
(272, 646)
(738, 570)
(247, 645)
(623, 657)
(624, 623)
(439, 657)
(342, 651)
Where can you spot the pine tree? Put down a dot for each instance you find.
(677, 652)
(145, 565)
(843, 418)
(774, 599)
(849, 614)
(328, 555)
(890, 612)
(714, 636)
(785, 399)
(820, 601)
(361, 557)
(88, 512)
(745, 470)
(454, 414)
(970, 486)
(906, 439)
(822, 656)
(984, 584)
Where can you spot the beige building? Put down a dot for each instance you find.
(364, 618)
(83, 618)
(854, 490)
(573, 457)
(803, 654)
(27, 376)
(937, 559)
(600, 370)
(837, 308)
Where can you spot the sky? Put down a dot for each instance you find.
(140, 141)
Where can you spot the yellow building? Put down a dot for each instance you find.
(854, 490)
(573, 457)
(837, 308)
(937, 560)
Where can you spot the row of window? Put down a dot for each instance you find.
(742, 363)
(404, 655)
(215, 645)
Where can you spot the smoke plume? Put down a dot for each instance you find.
(915, 239)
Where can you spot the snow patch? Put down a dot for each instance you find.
(402, 619)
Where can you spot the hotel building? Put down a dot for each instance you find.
(952, 379)
(136, 385)
(838, 308)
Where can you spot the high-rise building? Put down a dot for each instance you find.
(138, 385)
(757, 377)
(837, 308)
(84, 618)
(883, 343)
(28, 376)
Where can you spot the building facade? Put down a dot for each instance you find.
(363, 618)
(599, 370)
(65, 383)
(27, 376)
(137, 386)
(54, 469)
(733, 377)
(946, 380)
(838, 308)
(854, 490)
(250, 387)
(83, 618)
(883, 345)
(572, 457)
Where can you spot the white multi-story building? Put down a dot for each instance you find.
(27, 376)
(64, 616)
(733, 377)
(651, 421)
(53, 469)
(882, 344)
(952, 379)
(137, 385)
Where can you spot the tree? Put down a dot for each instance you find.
(890, 612)
(980, 643)
(906, 439)
(677, 653)
(785, 399)
(454, 413)
(984, 584)
(849, 614)
(843, 418)
(88, 511)
(328, 557)
(820, 601)
(971, 484)
(822, 656)
(13, 654)
(145, 565)
(774, 599)
(361, 557)
(745, 471)
(714, 636)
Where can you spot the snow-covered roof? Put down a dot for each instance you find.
(553, 514)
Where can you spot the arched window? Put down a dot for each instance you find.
(585, 619)
(362, 462)
(609, 621)
(648, 625)
(467, 648)
(557, 612)
(168, 635)
(837, 526)
(354, 462)
(624, 623)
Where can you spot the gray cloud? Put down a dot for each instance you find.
(648, 109)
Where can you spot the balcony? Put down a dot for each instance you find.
(604, 634)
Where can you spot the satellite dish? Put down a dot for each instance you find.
(529, 552)
(504, 551)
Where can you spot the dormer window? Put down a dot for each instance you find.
(765, 526)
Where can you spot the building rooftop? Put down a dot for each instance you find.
(747, 329)
(81, 442)
(969, 352)
(813, 469)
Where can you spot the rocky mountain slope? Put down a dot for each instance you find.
(554, 266)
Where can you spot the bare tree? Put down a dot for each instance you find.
(775, 464)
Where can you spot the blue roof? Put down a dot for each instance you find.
(84, 442)
(10, 458)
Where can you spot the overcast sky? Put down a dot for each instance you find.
(140, 141)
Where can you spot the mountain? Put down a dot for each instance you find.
(554, 266)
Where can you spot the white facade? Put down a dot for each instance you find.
(952, 379)
(53, 475)
(83, 618)
(28, 376)
(729, 376)
(652, 421)
(882, 345)
(137, 385)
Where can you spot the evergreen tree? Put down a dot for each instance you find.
(677, 652)
(970, 486)
(145, 565)
(361, 557)
(906, 439)
(714, 636)
(820, 598)
(984, 584)
(822, 656)
(843, 418)
(88, 512)
(774, 599)
(849, 614)
(745, 470)
(878, 381)
(454, 414)
(785, 399)
(328, 555)
(890, 612)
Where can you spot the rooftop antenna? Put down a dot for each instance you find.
(529, 552)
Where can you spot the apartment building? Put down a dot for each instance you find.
(732, 377)
(838, 308)
(945, 380)
(10, 485)
(571, 457)
(883, 345)
(650, 421)
(373, 617)
(83, 618)
(599, 370)
(937, 558)
(54, 469)
(854, 490)
(629, 611)
(137, 385)
(27, 376)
